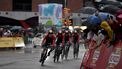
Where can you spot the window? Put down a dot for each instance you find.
(22, 5)
(57, 1)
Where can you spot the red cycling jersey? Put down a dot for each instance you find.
(49, 38)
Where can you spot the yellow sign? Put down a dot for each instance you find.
(6, 42)
(11, 42)
(18, 42)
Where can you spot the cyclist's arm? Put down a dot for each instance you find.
(56, 35)
(44, 39)
(78, 38)
(63, 40)
(69, 39)
(53, 43)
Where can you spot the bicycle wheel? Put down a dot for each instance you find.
(58, 53)
(55, 55)
(44, 56)
(74, 51)
(77, 49)
(66, 52)
(63, 53)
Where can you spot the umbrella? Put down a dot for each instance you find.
(103, 16)
(87, 10)
(109, 8)
(116, 3)
(16, 28)
(93, 20)
(96, 19)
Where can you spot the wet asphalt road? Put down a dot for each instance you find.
(19, 60)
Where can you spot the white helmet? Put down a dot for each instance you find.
(66, 31)
(75, 31)
(60, 31)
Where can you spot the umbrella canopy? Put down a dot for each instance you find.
(16, 28)
(87, 10)
(116, 3)
(96, 19)
(93, 20)
(109, 8)
(104, 16)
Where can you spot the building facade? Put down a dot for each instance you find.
(26, 11)
(32, 5)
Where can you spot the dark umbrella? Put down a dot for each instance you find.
(115, 3)
(87, 10)
(109, 8)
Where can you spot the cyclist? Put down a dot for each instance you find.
(66, 42)
(59, 41)
(59, 38)
(48, 41)
(75, 40)
(66, 37)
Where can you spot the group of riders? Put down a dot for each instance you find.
(61, 39)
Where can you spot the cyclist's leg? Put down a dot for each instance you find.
(51, 49)
(42, 53)
(77, 49)
(67, 51)
(55, 52)
(63, 52)
(74, 49)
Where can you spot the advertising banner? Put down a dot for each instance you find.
(50, 14)
(103, 59)
(95, 57)
(11, 42)
(6, 42)
(18, 42)
(114, 59)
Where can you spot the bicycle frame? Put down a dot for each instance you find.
(58, 51)
(65, 51)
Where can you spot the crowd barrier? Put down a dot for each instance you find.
(115, 60)
(103, 57)
(6, 42)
